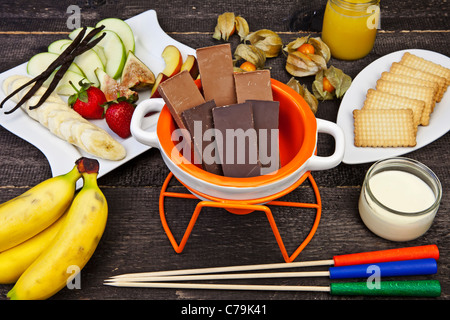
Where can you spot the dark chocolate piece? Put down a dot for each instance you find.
(265, 116)
(215, 64)
(198, 120)
(237, 142)
(180, 93)
(253, 85)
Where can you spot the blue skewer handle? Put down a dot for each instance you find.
(386, 269)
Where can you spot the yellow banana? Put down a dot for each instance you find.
(14, 261)
(28, 214)
(72, 247)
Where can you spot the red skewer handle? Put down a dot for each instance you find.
(411, 253)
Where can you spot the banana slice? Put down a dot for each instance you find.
(43, 114)
(65, 123)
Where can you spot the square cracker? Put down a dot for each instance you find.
(398, 68)
(411, 91)
(384, 128)
(422, 64)
(376, 99)
(411, 80)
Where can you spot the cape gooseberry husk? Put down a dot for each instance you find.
(242, 28)
(301, 65)
(301, 89)
(251, 54)
(225, 26)
(320, 47)
(338, 79)
(266, 40)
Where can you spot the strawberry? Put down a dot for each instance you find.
(88, 101)
(118, 116)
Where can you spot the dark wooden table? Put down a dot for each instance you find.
(134, 240)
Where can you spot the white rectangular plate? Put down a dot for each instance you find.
(150, 42)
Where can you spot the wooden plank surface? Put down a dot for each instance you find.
(134, 240)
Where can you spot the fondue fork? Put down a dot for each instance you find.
(417, 288)
(390, 255)
(383, 269)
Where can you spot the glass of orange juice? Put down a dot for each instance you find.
(350, 27)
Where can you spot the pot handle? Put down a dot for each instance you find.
(139, 122)
(322, 163)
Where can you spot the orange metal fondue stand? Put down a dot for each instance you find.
(350, 27)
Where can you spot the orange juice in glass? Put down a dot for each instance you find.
(350, 27)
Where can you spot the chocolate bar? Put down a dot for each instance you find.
(198, 120)
(215, 64)
(237, 143)
(253, 85)
(265, 116)
(180, 93)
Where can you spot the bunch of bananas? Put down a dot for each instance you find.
(49, 229)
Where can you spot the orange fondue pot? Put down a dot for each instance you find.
(298, 133)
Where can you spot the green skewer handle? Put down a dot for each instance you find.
(418, 288)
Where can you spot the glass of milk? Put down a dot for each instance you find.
(399, 198)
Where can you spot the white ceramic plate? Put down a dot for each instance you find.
(150, 42)
(354, 99)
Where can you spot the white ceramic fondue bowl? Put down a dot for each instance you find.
(298, 133)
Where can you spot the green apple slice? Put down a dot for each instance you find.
(64, 88)
(122, 29)
(55, 46)
(98, 50)
(75, 32)
(101, 53)
(88, 62)
(40, 62)
(115, 53)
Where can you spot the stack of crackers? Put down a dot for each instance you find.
(403, 100)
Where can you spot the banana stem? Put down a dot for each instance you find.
(87, 165)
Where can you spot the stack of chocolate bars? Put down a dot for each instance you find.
(232, 122)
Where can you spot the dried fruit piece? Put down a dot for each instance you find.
(337, 79)
(301, 89)
(266, 40)
(251, 54)
(225, 26)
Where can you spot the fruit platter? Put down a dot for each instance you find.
(104, 72)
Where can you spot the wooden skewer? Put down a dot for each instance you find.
(223, 276)
(420, 252)
(225, 269)
(385, 269)
(418, 288)
(217, 286)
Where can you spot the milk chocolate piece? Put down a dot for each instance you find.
(215, 64)
(265, 116)
(197, 120)
(253, 85)
(238, 137)
(180, 93)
